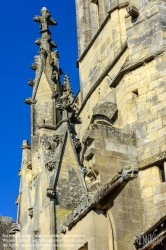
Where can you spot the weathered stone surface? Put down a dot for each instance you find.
(96, 164)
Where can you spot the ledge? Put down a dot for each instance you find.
(136, 64)
(151, 161)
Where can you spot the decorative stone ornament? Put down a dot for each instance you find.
(15, 227)
(30, 213)
(31, 82)
(57, 139)
(132, 11)
(45, 20)
(28, 164)
(50, 166)
(30, 101)
(17, 200)
(47, 145)
(77, 145)
(51, 193)
(34, 66)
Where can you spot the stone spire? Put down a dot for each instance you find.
(45, 20)
(47, 62)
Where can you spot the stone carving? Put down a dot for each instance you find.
(88, 155)
(55, 94)
(53, 44)
(30, 101)
(87, 202)
(75, 119)
(45, 20)
(17, 200)
(51, 193)
(30, 213)
(83, 170)
(31, 82)
(67, 106)
(54, 76)
(50, 166)
(128, 172)
(15, 227)
(42, 52)
(47, 145)
(77, 145)
(28, 164)
(38, 41)
(63, 230)
(55, 59)
(87, 140)
(132, 11)
(19, 172)
(34, 66)
(26, 145)
(91, 174)
(57, 139)
(59, 106)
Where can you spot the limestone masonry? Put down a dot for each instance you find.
(96, 165)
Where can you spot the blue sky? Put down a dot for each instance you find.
(18, 34)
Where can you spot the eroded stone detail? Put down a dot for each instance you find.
(67, 106)
(87, 202)
(28, 164)
(69, 190)
(31, 82)
(45, 20)
(17, 200)
(50, 166)
(30, 101)
(15, 227)
(77, 145)
(30, 213)
(51, 193)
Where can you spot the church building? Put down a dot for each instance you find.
(94, 175)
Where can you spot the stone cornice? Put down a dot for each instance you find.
(152, 160)
(136, 64)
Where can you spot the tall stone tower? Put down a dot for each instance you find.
(95, 170)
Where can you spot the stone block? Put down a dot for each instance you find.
(159, 197)
(146, 193)
(156, 189)
(153, 126)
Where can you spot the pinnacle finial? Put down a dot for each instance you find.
(44, 8)
(67, 87)
(45, 20)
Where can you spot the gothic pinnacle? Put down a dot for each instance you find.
(45, 41)
(67, 87)
(45, 20)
